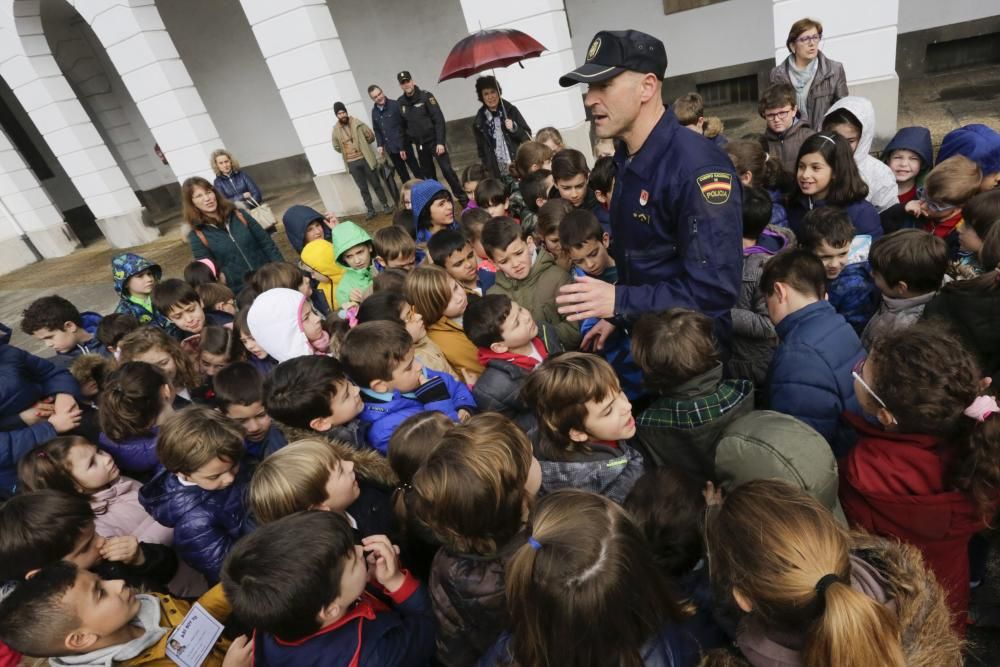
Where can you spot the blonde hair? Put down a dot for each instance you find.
(292, 479)
(405, 190)
(550, 134)
(148, 338)
(195, 436)
(774, 543)
(470, 491)
(954, 181)
(222, 151)
(428, 290)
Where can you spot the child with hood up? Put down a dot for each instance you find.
(135, 277)
(979, 143)
(285, 325)
(909, 156)
(853, 118)
(353, 250)
(318, 258)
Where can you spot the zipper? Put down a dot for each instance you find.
(238, 248)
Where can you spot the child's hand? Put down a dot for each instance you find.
(712, 494)
(124, 549)
(356, 296)
(383, 557)
(38, 412)
(914, 207)
(469, 377)
(240, 653)
(331, 219)
(464, 415)
(67, 420)
(64, 402)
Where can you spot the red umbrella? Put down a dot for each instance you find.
(487, 49)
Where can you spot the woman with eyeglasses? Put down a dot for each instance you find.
(818, 81)
(926, 465)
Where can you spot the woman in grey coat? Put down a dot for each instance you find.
(818, 81)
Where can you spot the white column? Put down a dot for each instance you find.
(535, 89)
(26, 63)
(158, 81)
(861, 35)
(27, 211)
(300, 44)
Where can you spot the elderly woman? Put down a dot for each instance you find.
(234, 184)
(499, 128)
(818, 81)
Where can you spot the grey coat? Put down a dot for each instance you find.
(894, 315)
(829, 85)
(609, 472)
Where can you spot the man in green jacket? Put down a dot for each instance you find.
(352, 139)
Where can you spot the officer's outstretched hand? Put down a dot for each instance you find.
(587, 297)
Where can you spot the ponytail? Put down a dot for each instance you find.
(853, 631)
(131, 401)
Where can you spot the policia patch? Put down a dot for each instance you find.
(716, 186)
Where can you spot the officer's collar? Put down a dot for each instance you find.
(650, 153)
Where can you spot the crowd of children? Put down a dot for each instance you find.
(393, 450)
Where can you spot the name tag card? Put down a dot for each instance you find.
(192, 641)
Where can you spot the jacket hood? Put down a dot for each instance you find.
(275, 322)
(148, 619)
(916, 139)
(862, 109)
(421, 195)
(126, 265)
(979, 143)
(296, 219)
(318, 255)
(764, 444)
(347, 235)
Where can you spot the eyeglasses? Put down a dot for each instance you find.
(809, 39)
(856, 374)
(777, 115)
(933, 205)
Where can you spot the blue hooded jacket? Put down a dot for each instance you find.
(123, 267)
(91, 321)
(24, 380)
(296, 219)
(385, 415)
(810, 377)
(979, 143)
(420, 197)
(853, 294)
(916, 139)
(206, 523)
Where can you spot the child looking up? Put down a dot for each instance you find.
(585, 421)
(72, 465)
(57, 323)
(571, 175)
(284, 323)
(313, 395)
(353, 246)
(314, 609)
(828, 176)
(810, 375)
(511, 344)
(473, 493)
(828, 233)
(325, 475)
(392, 306)
(451, 251)
(200, 492)
(588, 544)
(239, 395)
(926, 473)
(681, 363)
(529, 278)
(441, 302)
(135, 277)
(908, 267)
(818, 595)
(379, 356)
(853, 118)
(137, 400)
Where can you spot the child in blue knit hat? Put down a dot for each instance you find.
(433, 210)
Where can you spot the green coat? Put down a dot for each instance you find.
(538, 293)
(347, 235)
(236, 248)
(363, 138)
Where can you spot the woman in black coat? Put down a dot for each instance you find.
(497, 118)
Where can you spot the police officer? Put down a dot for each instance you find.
(423, 123)
(676, 213)
(389, 136)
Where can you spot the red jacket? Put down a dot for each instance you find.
(893, 484)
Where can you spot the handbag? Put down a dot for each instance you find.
(263, 214)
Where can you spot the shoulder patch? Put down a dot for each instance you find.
(715, 186)
(431, 100)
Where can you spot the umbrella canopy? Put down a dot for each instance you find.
(487, 49)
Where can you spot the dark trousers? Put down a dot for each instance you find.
(427, 157)
(401, 165)
(363, 177)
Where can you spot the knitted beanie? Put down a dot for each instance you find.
(421, 195)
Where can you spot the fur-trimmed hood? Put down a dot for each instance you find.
(368, 463)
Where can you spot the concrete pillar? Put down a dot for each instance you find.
(138, 45)
(27, 215)
(300, 44)
(535, 89)
(26, 63)
(861, 35)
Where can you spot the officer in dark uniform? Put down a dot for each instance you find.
(388, 126)
(676, 209)
(423, 124)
